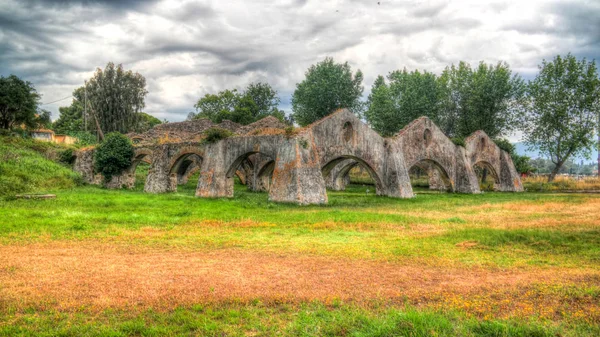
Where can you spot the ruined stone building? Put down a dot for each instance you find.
(297, 166)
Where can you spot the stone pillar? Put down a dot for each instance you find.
(465, 179)
(213, 181)
(396, 180)
(159, 180)
(297, 174)
(510, 181)
(435, 179)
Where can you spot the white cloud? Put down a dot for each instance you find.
(190, 48)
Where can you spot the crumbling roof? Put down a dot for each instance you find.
(268, 122)
(181, 131)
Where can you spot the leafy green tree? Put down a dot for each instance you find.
(381, 111)
(146, 122)
(328, 86)
(115, 97)
(489, 98)
(409, 96)
(563, 110)
(70, 118)
(18, 103)
(258, 101)
(113, 155)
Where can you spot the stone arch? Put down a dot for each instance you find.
(329, 166)
(263, 177)
(181, 165)
(140, 155)
(421, 141)
(482, 151)
(337, 178)
(491, 171)
(439, 178)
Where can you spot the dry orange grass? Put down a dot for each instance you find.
(563, 183)
(74, 275)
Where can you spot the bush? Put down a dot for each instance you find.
(214, 135)
(66, 156)
(113, 155)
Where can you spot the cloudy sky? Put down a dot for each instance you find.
(186, 49)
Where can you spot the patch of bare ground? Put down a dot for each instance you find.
(72, 275)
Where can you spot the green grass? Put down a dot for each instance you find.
(354, 224)
(427, 229)
(26, 165)
(310, 319)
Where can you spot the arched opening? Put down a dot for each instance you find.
(253, 169)
(264, 177)
(138, 171)
(185, 172)
(429, 175)
(487, 176)
(427, 137)
(348, 132)
(350, 171)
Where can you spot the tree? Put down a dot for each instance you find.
(409, 96)
(116, 97)
(146, 122)
(489, 98)
(381, 112)
(113, 155)
(563, 110)
(70, 118)
(258, 101)
(18, 103)
(328, 86)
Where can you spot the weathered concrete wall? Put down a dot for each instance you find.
(341, 136)
(481, 150)
(422, 142)
(298, 167)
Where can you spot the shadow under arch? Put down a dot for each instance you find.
(326, 170)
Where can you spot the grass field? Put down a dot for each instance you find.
(125, 263)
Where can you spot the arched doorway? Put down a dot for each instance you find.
(253, 169)
(345, 170)
(184, 171)
(486, 176)
(429, 175)
(138, 171)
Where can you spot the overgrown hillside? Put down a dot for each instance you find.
(27, 165)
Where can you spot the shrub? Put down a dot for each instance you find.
(214, 135)
(113, 155)
(66, 156)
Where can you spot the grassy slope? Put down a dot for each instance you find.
(25, 167)
(507, 230)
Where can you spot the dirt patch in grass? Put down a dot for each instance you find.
(73, 275)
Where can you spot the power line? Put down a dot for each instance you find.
(62, 99)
